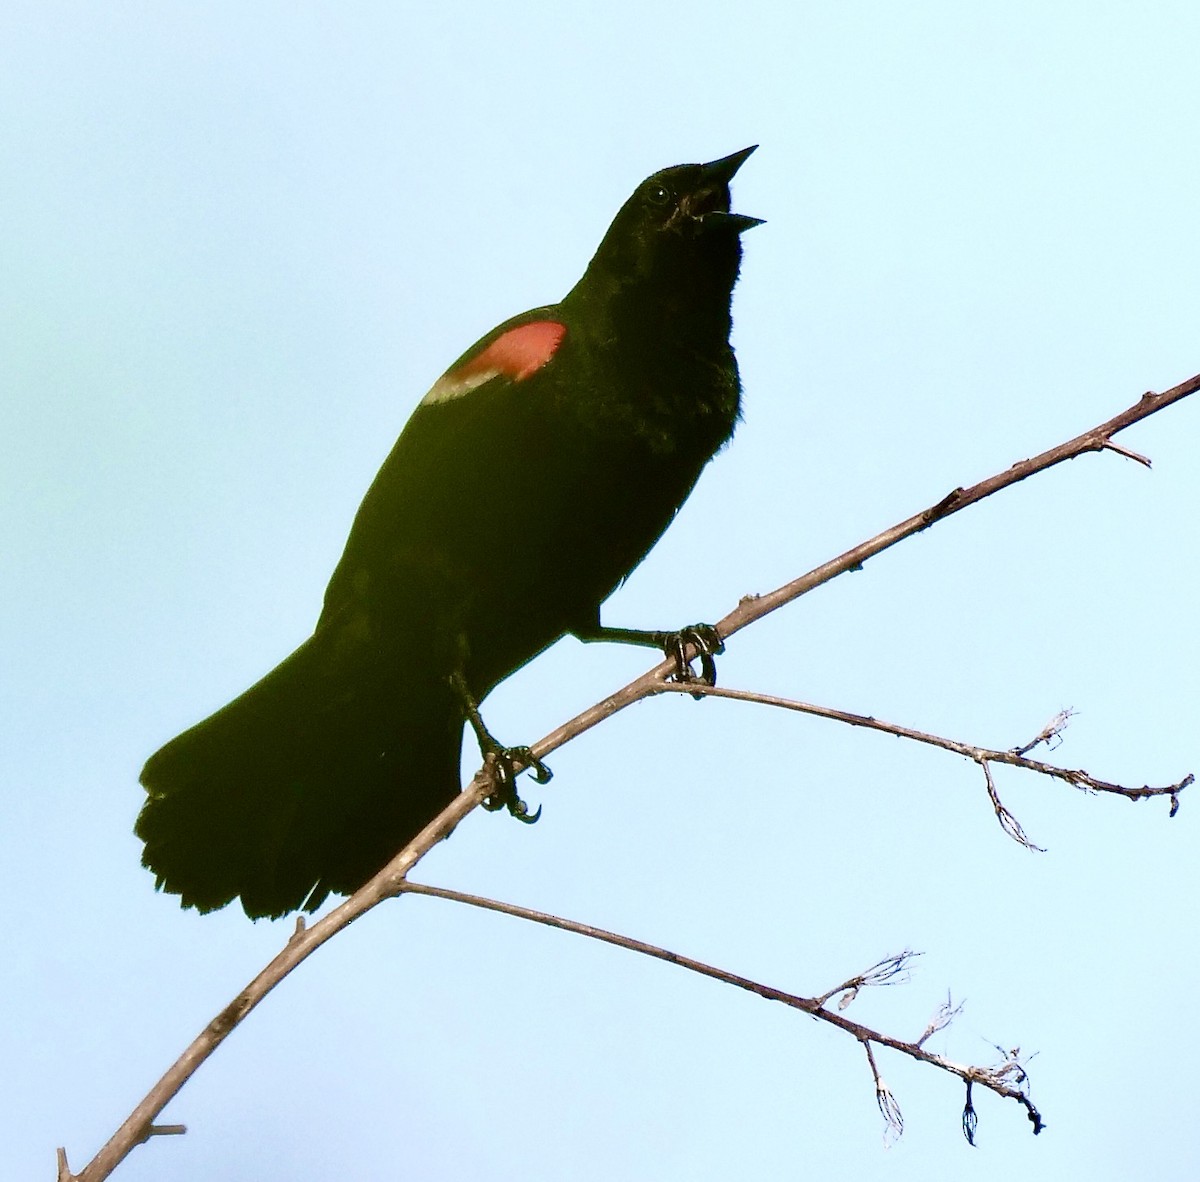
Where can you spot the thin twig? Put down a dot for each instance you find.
(889, 1106)
(164, 1131)
(891, 970)
(942, 1017)
(754, 607)
(390, 879)
(1008, 822)
(1127, 453)
(1097, 439)
(1049, 733)
(984, 756)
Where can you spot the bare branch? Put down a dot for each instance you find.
(890, 970)
(302, 943)
(1098, 438)
(984, 756)
(390, 880)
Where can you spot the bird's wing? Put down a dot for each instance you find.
(431, 492)
(515, 350)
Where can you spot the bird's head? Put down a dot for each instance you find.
(689, 199)
(676, 228)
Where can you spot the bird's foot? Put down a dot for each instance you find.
(704, 639)
(504, 764)
(708, 644)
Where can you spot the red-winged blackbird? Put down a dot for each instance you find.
(534, 476)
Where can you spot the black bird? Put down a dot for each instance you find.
(534, 476)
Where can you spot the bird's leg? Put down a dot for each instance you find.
(704, 638)
(504, 763)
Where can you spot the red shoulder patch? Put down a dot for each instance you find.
(517, 354)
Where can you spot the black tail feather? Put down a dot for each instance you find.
(305, 785)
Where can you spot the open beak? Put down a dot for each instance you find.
(716, 175)
(721, 172)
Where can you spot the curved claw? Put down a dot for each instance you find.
(709, 645)
(535, 767)
(502, 762)
(522, 813)
(504, 795)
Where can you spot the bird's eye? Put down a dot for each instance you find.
(657, 194)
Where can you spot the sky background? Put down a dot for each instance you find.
(237, 244)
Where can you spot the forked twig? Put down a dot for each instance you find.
(984, 756)
(892, 970)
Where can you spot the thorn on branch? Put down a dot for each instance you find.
(64, 1170)
(1126, 452)
(161, 1131)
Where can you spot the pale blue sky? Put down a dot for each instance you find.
(237, 244)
